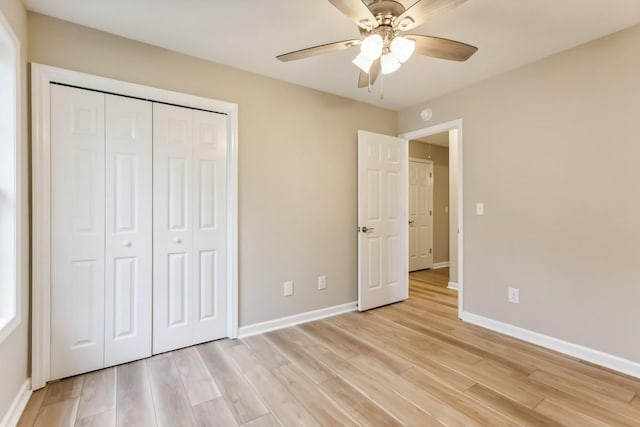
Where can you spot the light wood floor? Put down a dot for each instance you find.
(411, 363)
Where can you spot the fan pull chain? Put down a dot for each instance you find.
(381, 87)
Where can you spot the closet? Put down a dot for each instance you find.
(138, 228)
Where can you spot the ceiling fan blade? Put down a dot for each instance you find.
(318, 50)
(364, 80)
(422, 10)
(442, 48)
(357, 11)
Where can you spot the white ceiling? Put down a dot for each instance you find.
(248, 34)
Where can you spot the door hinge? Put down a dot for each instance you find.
(430, 251)
(430, 212)
(430, 175)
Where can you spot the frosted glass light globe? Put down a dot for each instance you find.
(403, 48)
(389, 63)
(371, 47)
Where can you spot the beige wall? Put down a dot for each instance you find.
(552, 150)
(14, 368)
(440, 158)
(297, 162)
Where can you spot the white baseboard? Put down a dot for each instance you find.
(588, 354)
(12, 416)
(453, 285)
(296, 319)
(439, 265)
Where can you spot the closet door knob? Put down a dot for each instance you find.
(126, 243)
(177, 240)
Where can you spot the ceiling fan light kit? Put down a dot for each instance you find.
(383, 49)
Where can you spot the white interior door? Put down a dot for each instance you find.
(77, 231)
(172, 227)
(382, 219)
(128, 230)
(210, 226)
(420, 215)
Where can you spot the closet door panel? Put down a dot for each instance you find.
(77, 231)
(172, 227)
(209, 237)
(128, 275)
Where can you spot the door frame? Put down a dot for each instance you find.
(41, 78)
(425, 162)
(456, 127)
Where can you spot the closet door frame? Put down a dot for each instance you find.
(42, 76)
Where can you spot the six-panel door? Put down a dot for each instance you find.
(189, 227)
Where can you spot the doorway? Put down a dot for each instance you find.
(442, 145)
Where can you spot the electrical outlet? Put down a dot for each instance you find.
(514, 295)
(322, 282)
(288, 288)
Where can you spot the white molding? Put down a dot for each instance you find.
(419, 160)
(585, 353)
(453, 285)
(454, 125)
(14, 413)
(439, 265)
(296, 319)
(41, 77)
(9, 324)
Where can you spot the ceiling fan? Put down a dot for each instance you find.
(382, 48)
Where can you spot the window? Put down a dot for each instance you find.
(9, 145)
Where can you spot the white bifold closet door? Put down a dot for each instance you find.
(77, 231)
(189, 220)
(128, 244)
(101, 230)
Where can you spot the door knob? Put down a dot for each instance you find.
(126, 244)
(411, 222)
(366, 229)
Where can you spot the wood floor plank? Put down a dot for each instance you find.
(66, 389)
(169, 395)
(263, 421)
(323, 409)
(636, 401)
(395, 344)
(243, 401)
(566, 416)
(297, 356)
(509, 408)
(60, 414)
(28, 417)
(358, 405)
(134, 403)
(621, 411)
(446, 406)
(104, 419)
(269, 356)
(401, 409)
(281, 403)
(98, 393)
(214, 413)
(197, 381)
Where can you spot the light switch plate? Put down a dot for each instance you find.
(479, 208)
(288, 288)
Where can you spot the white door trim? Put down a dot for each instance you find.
(41, 77)
(443, 127)
(419, 160)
